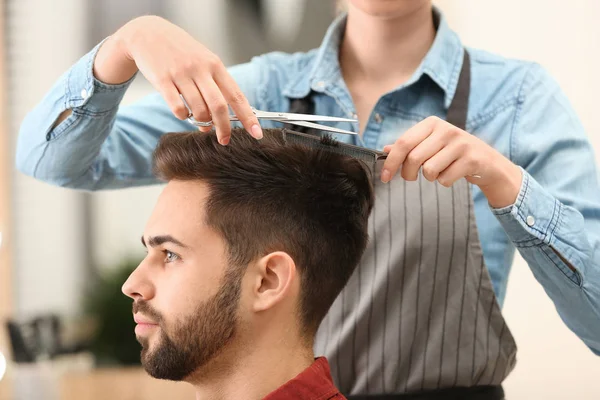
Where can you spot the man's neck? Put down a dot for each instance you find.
(385, 50)
(258, 369)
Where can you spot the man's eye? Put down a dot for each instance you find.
(170, 256)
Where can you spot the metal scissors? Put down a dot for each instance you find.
(289, 118)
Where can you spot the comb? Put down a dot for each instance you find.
(327, 143)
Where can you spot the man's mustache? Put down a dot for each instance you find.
(140, 306)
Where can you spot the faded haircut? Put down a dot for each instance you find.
(266, 195)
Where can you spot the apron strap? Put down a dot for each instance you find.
(457, 112)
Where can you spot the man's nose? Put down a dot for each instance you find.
(138, 285)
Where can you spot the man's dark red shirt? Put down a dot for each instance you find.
(314, 383)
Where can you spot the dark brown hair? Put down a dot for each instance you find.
(269, 196)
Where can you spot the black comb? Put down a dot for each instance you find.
(327, 143)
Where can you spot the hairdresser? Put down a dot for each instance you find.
(486, 156)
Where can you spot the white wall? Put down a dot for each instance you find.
(564, 37)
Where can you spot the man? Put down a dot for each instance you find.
(248, 246)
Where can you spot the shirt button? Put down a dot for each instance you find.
(321, 84)
(354, 116)
(378, 118)
(84, 94)
(530, 220)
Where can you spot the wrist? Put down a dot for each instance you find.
(113, 64)
(505, 189)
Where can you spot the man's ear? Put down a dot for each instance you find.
(274, 280)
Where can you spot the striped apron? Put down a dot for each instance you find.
(419, 317)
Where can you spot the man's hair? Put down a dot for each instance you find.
(267, 196)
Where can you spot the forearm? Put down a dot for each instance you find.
(113, 64)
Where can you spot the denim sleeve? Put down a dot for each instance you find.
(101, 145)
(555, 222)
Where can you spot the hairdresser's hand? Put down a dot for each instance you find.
(447, 154)
(175, 63)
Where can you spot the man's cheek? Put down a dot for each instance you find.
(168, 327)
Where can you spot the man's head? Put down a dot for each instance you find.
(245, 238)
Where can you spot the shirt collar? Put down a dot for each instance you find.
(314, 383)
(442, 63)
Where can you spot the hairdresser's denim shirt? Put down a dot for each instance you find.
(514, 106)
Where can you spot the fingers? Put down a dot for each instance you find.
(171, 95)
(420, 154)
(458, 169)
(208, 89)
(218, 109)
(434, 166)
(194, 100)
(238, 102)
(176, 64)
(404, 145)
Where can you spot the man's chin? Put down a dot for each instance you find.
(158, 370)
(149, 364)
(156, 375)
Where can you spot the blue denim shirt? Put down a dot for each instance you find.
(514, 106)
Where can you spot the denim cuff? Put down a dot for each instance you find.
(533, 218)
(86, 93)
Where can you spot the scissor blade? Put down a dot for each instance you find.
(315, 118)
(317, 126)
(272, 115)
(260, 114)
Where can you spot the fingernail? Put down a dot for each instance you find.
(385, 176)
(256, 131)
(224, 141)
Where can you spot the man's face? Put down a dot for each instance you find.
(186, 298)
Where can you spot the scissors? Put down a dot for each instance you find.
(289, 118)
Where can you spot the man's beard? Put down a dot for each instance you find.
(198, 339)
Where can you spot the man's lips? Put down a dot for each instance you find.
(140, 320)
(144, 325)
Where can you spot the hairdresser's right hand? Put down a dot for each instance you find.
(175, 63)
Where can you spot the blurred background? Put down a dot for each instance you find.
(64, 254)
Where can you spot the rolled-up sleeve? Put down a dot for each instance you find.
(88, 98)
(84, 92)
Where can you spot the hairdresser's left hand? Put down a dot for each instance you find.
(447, 154)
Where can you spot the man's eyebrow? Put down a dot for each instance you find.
(154, 241)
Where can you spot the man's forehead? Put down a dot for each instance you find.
(179, 210)
(190, 190)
